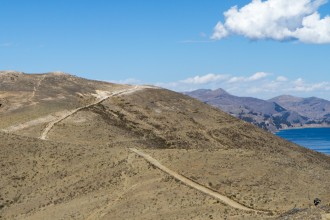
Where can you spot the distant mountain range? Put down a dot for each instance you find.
(274, 114)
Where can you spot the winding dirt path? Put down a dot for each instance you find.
(101, 99)
(35, 88)
(193, 184)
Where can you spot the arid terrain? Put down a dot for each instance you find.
(73, 148)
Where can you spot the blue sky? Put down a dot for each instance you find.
(260, 49)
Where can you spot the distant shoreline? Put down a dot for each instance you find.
(303, 127)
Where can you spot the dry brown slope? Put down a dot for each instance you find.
(214, 149)
(51, 180)
(191, 183)
(234, 158)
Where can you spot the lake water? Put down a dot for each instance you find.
(317, 139)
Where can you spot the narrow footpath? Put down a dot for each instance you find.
(101, 99)
(193, 184)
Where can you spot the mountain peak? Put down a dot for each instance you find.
(220, 92)
(286, 98)
(207, 93)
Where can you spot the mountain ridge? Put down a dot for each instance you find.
(313, 107)
(272, 114)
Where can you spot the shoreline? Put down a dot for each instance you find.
(302, 127)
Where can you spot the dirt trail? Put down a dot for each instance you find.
(101, 99)
(193, 184)
(35, 89)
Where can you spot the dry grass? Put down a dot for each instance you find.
(85, 169)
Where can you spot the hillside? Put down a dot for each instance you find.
(268, 115)
(65, 153)
(316, 109)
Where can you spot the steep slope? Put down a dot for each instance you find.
(265, 114)
(316, 109)
(85, 170)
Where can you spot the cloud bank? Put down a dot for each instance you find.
(277, 20)
(261, 85)
(208, 78)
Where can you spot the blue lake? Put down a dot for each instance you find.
(317, 139)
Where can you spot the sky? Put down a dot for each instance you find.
(249, 48)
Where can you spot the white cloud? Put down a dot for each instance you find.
(299, 85)
(215, 81)
(255, 77)
(281, 79)
(258, 76)
(280, 86)
(127, 81)
(315, 29)
(261, 85)
(277, 20)
(208, 78)
(236, 79)
(298, 82)
(219, 32)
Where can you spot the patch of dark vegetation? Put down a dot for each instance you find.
(196, 135)
(279, 108)
(311, 122)
(247, 119)
(296, 121)
(262, 125)
(305, 118)
(293, 212)
(118, 119)
(253, 113)
(266, 116)
(283, 119)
